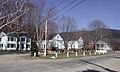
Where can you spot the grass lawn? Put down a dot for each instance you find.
(60, 55)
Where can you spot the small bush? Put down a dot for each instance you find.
(34, 48)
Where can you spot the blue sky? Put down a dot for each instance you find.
(106, 10)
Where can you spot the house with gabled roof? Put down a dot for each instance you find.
(10, 41)
(75, 40)
(58, 41)
(2, 41)
(53, 41)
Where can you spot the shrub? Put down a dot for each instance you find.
(34, 48)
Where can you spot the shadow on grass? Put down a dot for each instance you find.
(96, 65)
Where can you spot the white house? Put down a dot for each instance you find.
(24, 43)
(75, 44)
(3, 41)
(102, 47)
(10, 41)
(74, 39)
(57, 41)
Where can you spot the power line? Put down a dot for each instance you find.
(67, 5)
(64, 6)
(70, 9)
(58, 4)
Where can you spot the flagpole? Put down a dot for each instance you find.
(45, 49)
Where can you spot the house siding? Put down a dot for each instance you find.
(11, 42)
(58, 42)
(24, 44)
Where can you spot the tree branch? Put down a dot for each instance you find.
(13, 19)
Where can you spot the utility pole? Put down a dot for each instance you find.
(45, 49)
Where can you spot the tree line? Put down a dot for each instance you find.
(27, 16)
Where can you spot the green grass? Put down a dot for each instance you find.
(60, 55)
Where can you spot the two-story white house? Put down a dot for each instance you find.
(57, 41)
(54, 41)
(74, 40)
(24, 43)
(3, 39)
(10, 41)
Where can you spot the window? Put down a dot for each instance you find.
(57, 37)
(102, 45)
(11, 39)
(27, 46)
(22, 46)
(8, 38)
(28, 40)
(98, 45)
(11, 45)
(8, 45)
(1, 45)
(0, 39)
(73, 46)
(44, 46)
(22, 39)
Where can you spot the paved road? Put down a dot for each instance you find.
(106, 63)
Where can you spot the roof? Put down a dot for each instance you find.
(23, 34)
(52, 36)
(71, 36)
(100, 41)
(2, 34)
(12, 34)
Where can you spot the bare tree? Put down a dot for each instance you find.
(14, 14)
(67, 25)
(99, 30)
(11, 10)
(87, 37)
(38, 17)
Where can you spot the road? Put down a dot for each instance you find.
(105, 63)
